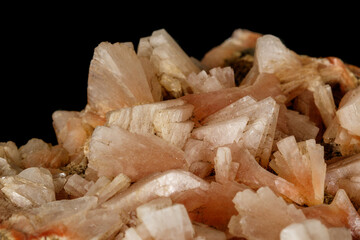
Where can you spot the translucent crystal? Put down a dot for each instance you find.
(313, 230)
(222, 133)
(344, 174)
(171, 63)
(215, 206)
(10, 152)
(77, 186)
(105, 188)
(115, 150)
(37, 153)
(31, 187)
(116, 79)
(340, 213)
(303, 165)
(6, 169)
(166, 119)
(158, 185)
(251, 221)
(349, 113)
(218, 78)
(206, 104)
(169, 223)
(253, 175)
(203, 232)
(240, 40)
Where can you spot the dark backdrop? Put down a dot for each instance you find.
(46, 57)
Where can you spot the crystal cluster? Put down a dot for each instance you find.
(251, 142)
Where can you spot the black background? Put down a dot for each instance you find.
(46, 55)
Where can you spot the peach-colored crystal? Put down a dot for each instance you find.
(206, 104)
(253, 175)
(240, 40)
(305, 104)
(116, 79)
(170, 147)
(167, 119)
(324, 101)
(164, 184)
(303, 165)
(344, 128)
(218, 78)
(259, 133)
(171, 64)
(340, 213)
(37, 153)
(77, 186)
(222, 133)
(10, 152)
(292, 123)
(71, 132)
(344, 174)
(252, 223)
(30, 188)
(113, 150)
(349, 113)
(217, 208)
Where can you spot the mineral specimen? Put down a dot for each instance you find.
(313, 229)
(252, 142)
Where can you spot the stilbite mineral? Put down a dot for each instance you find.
(170, 147)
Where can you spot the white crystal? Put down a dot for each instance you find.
(253, 223)
(31, 187)
(313, 229)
